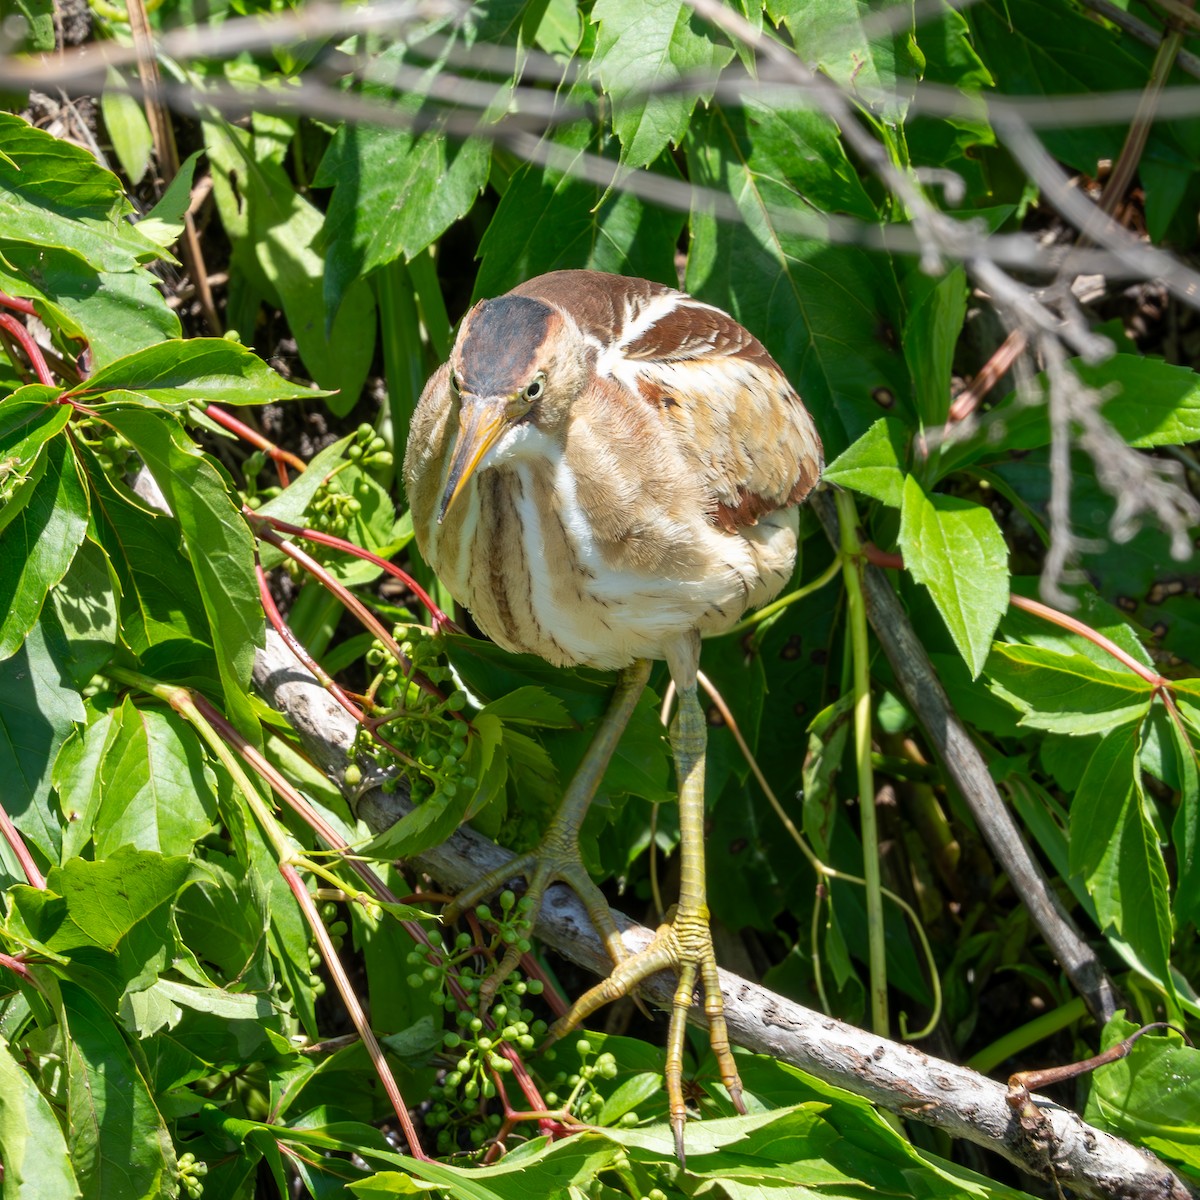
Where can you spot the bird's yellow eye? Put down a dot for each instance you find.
(534, 389)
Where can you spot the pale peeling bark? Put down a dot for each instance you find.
(897, 1077)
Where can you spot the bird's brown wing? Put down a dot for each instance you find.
(737, 420)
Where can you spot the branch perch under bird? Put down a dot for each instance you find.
(897, 1077)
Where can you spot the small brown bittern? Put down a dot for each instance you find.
(605, 471)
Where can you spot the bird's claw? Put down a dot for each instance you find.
(685, 946)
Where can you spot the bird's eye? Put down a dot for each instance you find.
(535, 388)
(455, 383)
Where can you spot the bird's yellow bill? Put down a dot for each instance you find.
(479, 426)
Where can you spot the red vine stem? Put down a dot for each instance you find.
(330, 954)
(17, 304)
(279, 455)
(439, 618)
(881, 558)
(32, 350)
(298, 648)
(12, 835)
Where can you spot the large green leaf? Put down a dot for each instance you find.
(394, 192)
(873, 465)
(644, 50)
(37, 1164)
(830, 314)
(1114, 848)
(549, 219)
(117, 312)
(1065, 692)
(39, 544)
(219, 544)
(37, 713)
(146, 552)
(956, 549)
(1152, 1096)
(194, 371)
(1147, 401)
(54, 193)
(119, 1142)
(29, 418)
(867, 46)
(136, 778)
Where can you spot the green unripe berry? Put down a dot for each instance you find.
(416, 981)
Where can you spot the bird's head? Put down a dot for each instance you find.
(516, 366)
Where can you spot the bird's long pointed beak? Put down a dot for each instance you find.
(479, 425)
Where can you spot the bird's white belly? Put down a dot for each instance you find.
(583, 610)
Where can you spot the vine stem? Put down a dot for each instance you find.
(825, 872)
(276, 453)
(856, 616)
(184, 702)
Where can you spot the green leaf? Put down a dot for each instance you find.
(115, 312)
(164, 222)
(194, 371)
(127, 127)
(140, 779)
(37, 714)
(937, 308)
(644, 49)
(1114, 848)
(37, 1164)
(394, 191)
(1066, 693)
(106, 900)
(53, 193)
(1152, 1096)
(119, 1142)
(1149, 403)
(39, 544)
(139, 544)
(28, 420)
(219, 546)
(529, 706)
(955, 548)
(87, 603)
(549, 219)
(1185, 829)
(874, 465)
(828, 314)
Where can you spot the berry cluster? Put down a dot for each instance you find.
(191, 1172)
(430, 733)
(475, 1048)
(582, 1099)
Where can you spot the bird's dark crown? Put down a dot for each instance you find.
(500, 344)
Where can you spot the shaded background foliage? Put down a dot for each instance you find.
(357, 180)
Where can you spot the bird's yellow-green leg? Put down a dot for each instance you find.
(684, 943)
(557, 858)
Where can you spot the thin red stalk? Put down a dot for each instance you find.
(1052, 615)
(16, 966)
(284, 630)
(348, 599)
(32, 350)
(990, 374)
(255, 438)
(881, 558)
(353, 1007)
(439, 618)
(12, 835)
(17, 304)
